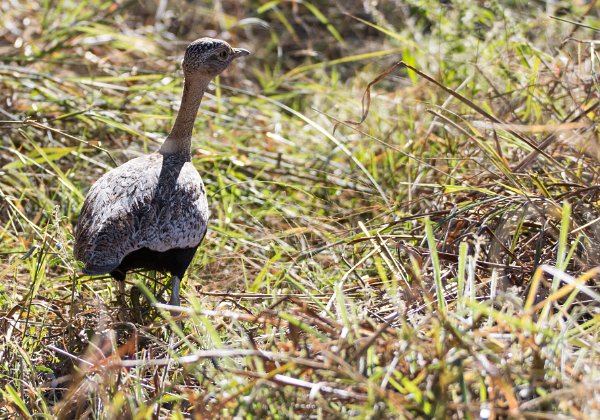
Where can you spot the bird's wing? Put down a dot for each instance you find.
(113, 212)
(146, 203)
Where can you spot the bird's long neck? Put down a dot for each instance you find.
(179, 140)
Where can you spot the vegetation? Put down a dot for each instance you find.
(438, 259)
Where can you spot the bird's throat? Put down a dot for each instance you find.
(179, 140)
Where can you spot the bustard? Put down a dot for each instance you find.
(151, 212)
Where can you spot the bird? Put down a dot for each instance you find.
(151, 213)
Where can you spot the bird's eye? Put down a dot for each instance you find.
(223, 55)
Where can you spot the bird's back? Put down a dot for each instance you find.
(155, 201)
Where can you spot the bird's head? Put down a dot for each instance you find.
(208, 57)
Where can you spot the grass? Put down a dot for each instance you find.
(440, 259)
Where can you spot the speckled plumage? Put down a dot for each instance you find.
(156, 202)
(152, 212)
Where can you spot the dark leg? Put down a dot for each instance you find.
(179, 260)
(136, 303)
(121, 289)
(175, 282)
(121, 302)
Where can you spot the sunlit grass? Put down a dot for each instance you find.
(437, 260)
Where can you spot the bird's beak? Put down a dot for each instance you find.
(240, 52)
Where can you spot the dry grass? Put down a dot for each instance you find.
(438, 260)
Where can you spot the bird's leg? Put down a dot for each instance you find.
(121, 292)
(175, 282)
(136, 304)
(120, 276)
(121, 299)
(121, 287)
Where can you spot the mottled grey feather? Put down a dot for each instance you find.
(154, 201)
